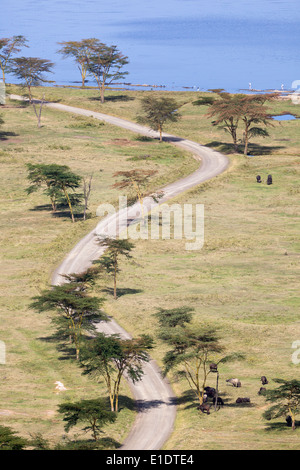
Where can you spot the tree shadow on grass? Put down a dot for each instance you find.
(253, 149)
(5, 135)
(281, 427)
(121, 291)
(189, 399)
(113, 98)
(104, 443)
(60, 214)
(43, 207)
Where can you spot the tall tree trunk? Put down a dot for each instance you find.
(246, 140)
(69, 204)
(217, 392)
(102, 92)
(115, 283)
(160, 133)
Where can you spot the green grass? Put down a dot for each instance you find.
(34, 242)
(245, 280)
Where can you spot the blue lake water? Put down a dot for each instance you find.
(284, 117)
(175, 43)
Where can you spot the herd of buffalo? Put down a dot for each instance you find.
(211, 393)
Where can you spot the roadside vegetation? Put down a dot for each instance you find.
(241, 287)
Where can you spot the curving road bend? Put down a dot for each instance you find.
(155, 399)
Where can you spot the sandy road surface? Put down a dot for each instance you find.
(155, 399)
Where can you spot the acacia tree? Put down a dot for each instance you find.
(10, 441)
(110, 357)
(77, 312)
(31, 70)
(80, 51)
(87, 188)
(41, 175)
(105, 63)
(63, 180)
(115, 248)
(9, 47)
(287, 399)
(254, 114)
(85, 279)
(136, 179)
(230, 110)
(192, 350)
(57, 180)
(227, 113)
(92, 412)
(157, 111)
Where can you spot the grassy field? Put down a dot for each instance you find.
(34, 242)
(245, 280)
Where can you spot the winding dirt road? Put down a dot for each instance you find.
(153, 394)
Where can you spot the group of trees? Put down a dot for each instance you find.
(104, 63)
(93, 57)
(192, 350)
(103, 357)
(231, 110)
(196, 353)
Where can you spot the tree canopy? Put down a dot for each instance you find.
(10, 441)
(157, 111)
(9, 47)
(57, 181)
(229, 110)
(286, 398)
(192, 349)
(105, 63)
(115, 248)
(80, 51)
(93, 413)
(109, 357)
(31, 71)
(77, 311)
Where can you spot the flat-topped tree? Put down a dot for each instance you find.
(9, 440)
(31, 70)
(106, 63)
(109, 262)
(157, 111)
(93, 413)
(136, 179)
(254, 114)
(40, 175)
(80, 52)
(229, 111)
(9, 47)
(192, 350)
(57, 180)
(77, 311)
(110, 357)
(64, 180)
(286, 399)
